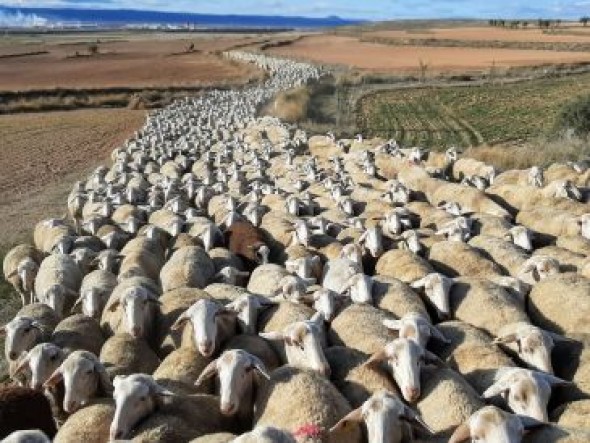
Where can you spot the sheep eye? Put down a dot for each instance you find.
(89, 371)
(142, 398)
(53, 357)
(27, 330)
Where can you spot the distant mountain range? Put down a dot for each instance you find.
(26, 17)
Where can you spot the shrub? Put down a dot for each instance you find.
(575, 117)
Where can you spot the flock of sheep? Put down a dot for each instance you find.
(229, 279)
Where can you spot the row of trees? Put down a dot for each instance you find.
(541, 23)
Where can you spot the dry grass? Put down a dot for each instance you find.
(291, 106)
(540, 152)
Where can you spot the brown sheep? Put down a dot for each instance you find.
(24, 408)
(247, 242)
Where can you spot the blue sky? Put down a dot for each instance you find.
(365, 9)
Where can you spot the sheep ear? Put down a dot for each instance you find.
(555, 381)
(54, 379)
(22, 364)
(15, 272)
(418, 283)
(415, 420)
(394, 325)
(530, 423)
(257, 364)
(76, 304)
(180, 321)
(376, 358)
(497, 388)
(209, 371)
(435, 332)
(461, 434)
(510, 338)
(559, 338)
(429, 357)
(272, 335)
(355, 416)
(161, 391)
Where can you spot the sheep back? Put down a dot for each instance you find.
(561, 303)
(293, 398)
(123, 354)
(356, 381)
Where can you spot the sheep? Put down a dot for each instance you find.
(567, 261)
(560, 304)
(278, 316)
(40, 361)
(471, 352)
(78, 332)
(24, 408)
(212, 325)
(505, 254)
(526, 392)
(490, 424)
(131, 308)
(89, 424)
(354, 318)
(573, 415)
(354, 379)
(20, 267)
(484, 304)
(222, 258)
(218, 437)
(455, 258)
(140, 263)
(247, 307)
(189, 266)
(31, 325)
(403, 265)
(123, 354)
(337, 272)
(206, 231)
(172, 304)
(180, 369)
(537, 268)
(530, 343)
(27, 436)
(385, 417)
(549, 223)
(415, 326)
(95, 290)
(577, 244)
(303, 344)
(265, 279)
(53, 234)
(237, 371)
(404, 358)
(246, 241)
(263, 434)
(293, 398)
(84, 377)
(437, 289)
(58, 282)
(396, 297)
(146, 411)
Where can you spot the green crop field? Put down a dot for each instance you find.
(468, 116)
